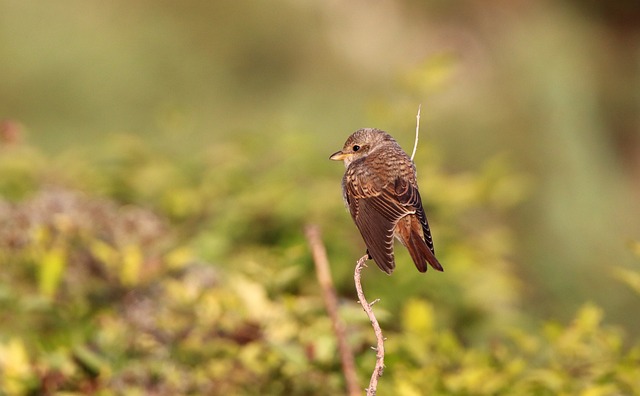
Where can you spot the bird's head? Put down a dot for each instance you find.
(360, 144)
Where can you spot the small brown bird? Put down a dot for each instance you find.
(380, 189)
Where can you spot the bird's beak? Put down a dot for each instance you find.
(338, 156)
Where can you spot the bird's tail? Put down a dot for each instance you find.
(418, 249)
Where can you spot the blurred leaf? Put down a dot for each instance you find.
(52, 266)
(629, 277)
(179, 257)
(601, 390)
(103, 252)
(16, 375)
(418, 317)
(90, 361)
(131, 265)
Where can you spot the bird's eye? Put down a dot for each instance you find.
(356, 148)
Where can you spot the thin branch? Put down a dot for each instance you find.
(331, 303)
(379, 368)
(415, 144)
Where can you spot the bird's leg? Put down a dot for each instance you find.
(369, 255)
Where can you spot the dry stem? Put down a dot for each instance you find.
(379, 368)
(331, 303)
(415, 143)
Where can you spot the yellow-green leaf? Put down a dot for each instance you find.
(52, 266)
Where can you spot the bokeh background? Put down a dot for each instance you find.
(159, 161)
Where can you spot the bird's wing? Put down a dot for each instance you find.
(409, 196)
(377, 232)
(376, 213)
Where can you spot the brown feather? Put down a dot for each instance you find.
(381, 192)
(409, 232)
(377, 232)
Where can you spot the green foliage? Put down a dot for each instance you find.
(126, 273)
(583, 358)
(156, 247)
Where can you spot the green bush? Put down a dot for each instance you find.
(125, 272)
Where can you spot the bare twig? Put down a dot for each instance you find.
(331, 303)
(415, 143)
(379, 368)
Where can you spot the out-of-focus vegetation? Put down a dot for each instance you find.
(158, 163)
(105, 287)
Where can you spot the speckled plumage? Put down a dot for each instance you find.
(380, 189)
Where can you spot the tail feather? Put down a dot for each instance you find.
(409, 232)
(416, 254)
(421, 254)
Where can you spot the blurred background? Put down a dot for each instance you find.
(158, 162)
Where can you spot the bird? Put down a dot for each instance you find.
(380, 190)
